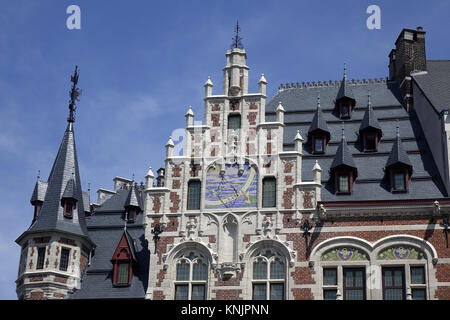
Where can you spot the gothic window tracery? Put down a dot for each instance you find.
(191, 276)
(269, 275)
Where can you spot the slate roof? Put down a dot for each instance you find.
(369, 120)
(106, 227)
(69, 191)
(40, 189)
(133, 199)
(345, 90)
(436, 83)
(343, 157)
(372, 182)
(318, 123)
(398, 155)
(65, 168)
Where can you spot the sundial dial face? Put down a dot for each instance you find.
(232, 189)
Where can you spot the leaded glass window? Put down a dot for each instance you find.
(123, 273)
(191, 277)
(269, 273)
(330, 283)
(64, 261)
(269, 192)
(393, 283)
(194, 195)
(418, 283)
(354, 284)
(399, 181)
(343, 183)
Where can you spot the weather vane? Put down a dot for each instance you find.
(74, 94)
(236, 39)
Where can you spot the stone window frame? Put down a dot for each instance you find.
(190, 282)
(176, 252)
(68, 258)
(267, 178)
(375, 265)
(247, 259)
(268, 281)
(43, 259)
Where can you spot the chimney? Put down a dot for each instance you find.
(160, 178)
(407, 57)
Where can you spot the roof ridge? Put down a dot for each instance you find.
(330, 83)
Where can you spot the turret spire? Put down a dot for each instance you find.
(236, 39)
(74, 94)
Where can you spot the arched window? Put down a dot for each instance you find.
(194, 195)
(191, 277)
(269, 276)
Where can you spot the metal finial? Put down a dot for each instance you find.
(89, 187)
(125, 224)
(39, 175)
(397, 130)
(369, 103)
(345, 71)
(132, 179)
(74, 95)
(318, 100)
(236, 39)
(343, 131)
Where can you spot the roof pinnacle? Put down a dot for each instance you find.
(74, 95)
(236, 39)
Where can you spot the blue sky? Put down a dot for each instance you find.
(143, 62)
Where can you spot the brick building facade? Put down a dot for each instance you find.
(330, 190)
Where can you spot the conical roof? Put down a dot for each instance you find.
(343, 156)
(318, 123)
(345, 90)
(64, 179)
(40, 188)
(398, 155)
(369, 120)
(133, 199)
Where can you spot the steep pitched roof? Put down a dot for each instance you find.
(343, 155)
(40, 189)
(435, 83)
(369, 120)
(300, 104)
(65, 168)
(318, 123)
(398, 155)
(104, 224)
(133, 198)
(345, 91)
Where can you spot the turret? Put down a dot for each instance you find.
(56, 247)
(149, 178)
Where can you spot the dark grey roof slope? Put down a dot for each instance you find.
(371, 184)
(69, 191)
(369, 120)
(398, 155)
(51, 215)
(106, 228)
(319, 123)
(133, 198)
(345, 90)
(436, 83)
(343, 157)
(40, 188)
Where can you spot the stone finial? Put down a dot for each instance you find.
(150, 173)
(208, 87)
(262, 79)
(298, 136)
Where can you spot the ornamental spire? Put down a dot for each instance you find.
(74, 94)
(236, 39)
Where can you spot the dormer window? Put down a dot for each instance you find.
(69, 206)
(319, 144)
(344, 182)
(370, 142)
(399, 180)
(123, 259)
(345, 109)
